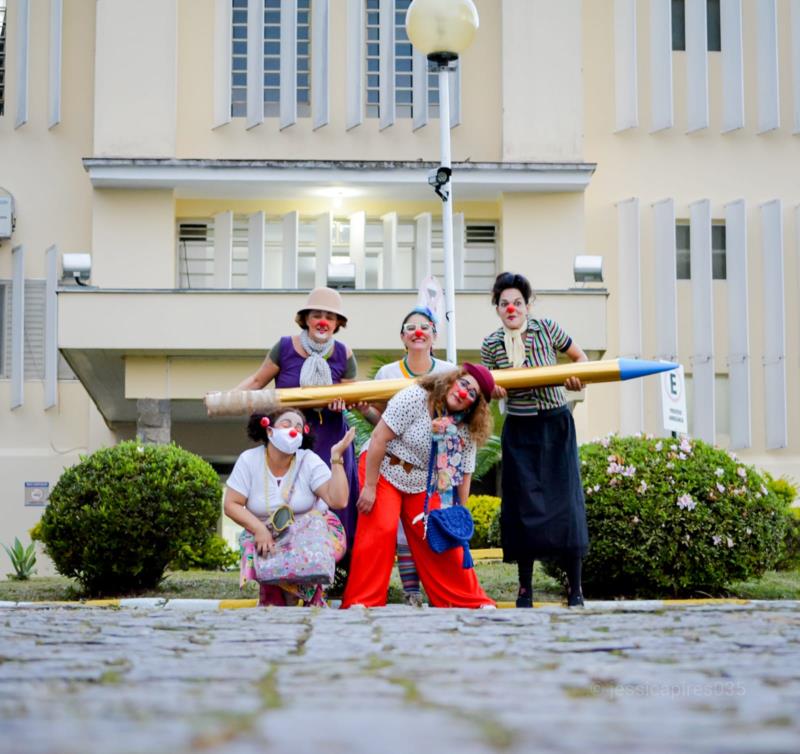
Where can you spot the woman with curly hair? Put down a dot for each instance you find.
(453, 408)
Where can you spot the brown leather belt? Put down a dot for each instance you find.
(395, 461)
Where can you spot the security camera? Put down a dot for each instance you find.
(440, 180)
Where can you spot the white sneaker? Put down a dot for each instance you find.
(488, 607)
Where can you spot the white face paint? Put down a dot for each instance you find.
(286, 439)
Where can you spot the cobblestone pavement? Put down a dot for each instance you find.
(716, 678)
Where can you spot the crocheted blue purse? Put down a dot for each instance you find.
(451, 527)
(446, 528)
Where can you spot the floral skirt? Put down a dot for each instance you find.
(310, 594)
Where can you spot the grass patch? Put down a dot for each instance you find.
(773, 585)
(498, 579)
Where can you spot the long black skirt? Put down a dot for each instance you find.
(542, 513)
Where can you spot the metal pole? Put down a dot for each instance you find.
(447, 214)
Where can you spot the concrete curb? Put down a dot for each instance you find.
(203, 605)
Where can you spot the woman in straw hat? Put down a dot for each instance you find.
(315, 357)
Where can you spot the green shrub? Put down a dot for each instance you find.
(787, 491)
(213, 555)
(495, 537)
(117, 518)
(482, 508)
(790, 555)
(675, 517)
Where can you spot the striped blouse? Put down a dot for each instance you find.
(543, 338)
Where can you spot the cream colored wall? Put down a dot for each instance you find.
(541, 235)
(477, 139)
(542, 80)
(135, 82)
(133, 239)
(309, 206)
(42, 167)
(689, 167)
(37, 445)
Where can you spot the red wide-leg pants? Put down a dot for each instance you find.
(447, 583)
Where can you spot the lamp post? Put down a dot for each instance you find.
(442, 30)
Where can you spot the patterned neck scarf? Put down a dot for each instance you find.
(315, 369)
(515, 345)
(447, 449)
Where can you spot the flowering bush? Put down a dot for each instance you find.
(670, 516)
(483, 509)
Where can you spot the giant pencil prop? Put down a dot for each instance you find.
(238, 402)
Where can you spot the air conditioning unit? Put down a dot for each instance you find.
(6, 215)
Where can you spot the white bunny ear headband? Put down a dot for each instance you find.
(431, 297)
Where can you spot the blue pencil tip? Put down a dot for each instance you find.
(630, 369)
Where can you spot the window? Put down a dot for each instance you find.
(196, 252)
(272, 58)
(683, 258)
(403, 64)
(34, 332)
(713, 25)
(2, 56)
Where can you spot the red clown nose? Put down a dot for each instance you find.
(463, 394)
(510, 309)
(293, 433)
(323, 323)
(418, 333)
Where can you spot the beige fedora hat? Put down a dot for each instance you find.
(326, 300)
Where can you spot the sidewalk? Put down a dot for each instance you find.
(630, 677)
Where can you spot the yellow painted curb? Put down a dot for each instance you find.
(99, 603)
(491, 553)
(709, 601)
(236, 604)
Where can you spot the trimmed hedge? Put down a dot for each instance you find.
(213, 555)
(675, 517)
(120, 516)
(483, 509)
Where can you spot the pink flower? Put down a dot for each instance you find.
(682, 456)
(729, 542)
(686, 446)
(720, 487)
(741, 472)
(685, 502)
(629, 471)
(659, 445)
(719, 472)
(717, 540)
(642, 487)
(604, 442)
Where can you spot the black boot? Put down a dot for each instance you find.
(573, 569)
(525, 594)
(525, 597)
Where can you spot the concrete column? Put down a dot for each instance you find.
(154, 421)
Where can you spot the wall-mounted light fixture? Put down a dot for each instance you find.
(588, 269)
(77, 266)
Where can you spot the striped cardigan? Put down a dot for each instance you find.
(542, 339)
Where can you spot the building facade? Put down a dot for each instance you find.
(218, 158)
